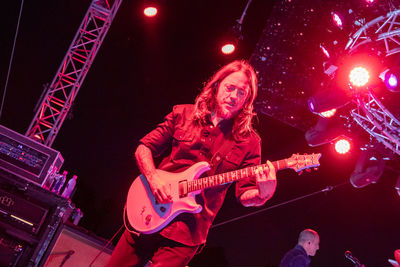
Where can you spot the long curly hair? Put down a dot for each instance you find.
(205, 102)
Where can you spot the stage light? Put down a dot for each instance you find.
(337, 20)
(325, 51)
(359, 76)
(323, 132)
(228, 48)
(150, 11)
(359, 70)
(342, 145)
(328, 99)
(391, 80)
(369, 168)
(232, 39)
(328, 113)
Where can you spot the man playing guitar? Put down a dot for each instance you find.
(217, 129)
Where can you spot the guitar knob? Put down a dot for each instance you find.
(162, 209)
(148, 219)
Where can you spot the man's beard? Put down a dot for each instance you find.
(223, 113)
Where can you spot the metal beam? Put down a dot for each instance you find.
(68, 80)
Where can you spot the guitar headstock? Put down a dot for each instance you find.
(301, 162)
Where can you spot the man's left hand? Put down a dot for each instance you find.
(266, 180)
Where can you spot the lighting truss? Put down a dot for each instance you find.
(61, 93)
(384, 33)
(373, 117)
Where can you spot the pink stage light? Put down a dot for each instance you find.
(150, 11)
(328, 113)
(325, 51)
(337, 20)
(359, 76)
(228, 49)
(342, 146)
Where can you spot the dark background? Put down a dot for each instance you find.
(145, 66)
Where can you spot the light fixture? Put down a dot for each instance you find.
(391, 78)
(337, 19)
(342, 145)
(369, 168)
(323, 132)
(328, 99)
(359, 76)
(150, 11)
(235, 35)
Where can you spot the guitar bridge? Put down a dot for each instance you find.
(183, 188)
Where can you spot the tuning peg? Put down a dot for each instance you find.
(315, 169)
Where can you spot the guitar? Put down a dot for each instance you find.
(148, 216)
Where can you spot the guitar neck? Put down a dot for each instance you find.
(229, 177)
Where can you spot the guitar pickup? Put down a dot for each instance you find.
(183, 188)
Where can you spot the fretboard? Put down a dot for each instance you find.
(229, 177)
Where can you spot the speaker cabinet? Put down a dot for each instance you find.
(73, 247)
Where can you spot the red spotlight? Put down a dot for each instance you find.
(150, 11)
(325, 51)
(359, 70)
(342, 145)
(228, 48)
(359, 76)
(337, 20)
(328, 113)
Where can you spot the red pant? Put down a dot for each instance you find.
(133, 250)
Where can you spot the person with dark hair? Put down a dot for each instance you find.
(299, 256)
(217, 129)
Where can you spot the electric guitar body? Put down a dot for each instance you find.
(145, 215)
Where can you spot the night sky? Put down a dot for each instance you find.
(145, 66)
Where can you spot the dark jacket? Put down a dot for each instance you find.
(296, 257)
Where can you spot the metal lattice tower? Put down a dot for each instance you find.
(370, 113)
(62, 91)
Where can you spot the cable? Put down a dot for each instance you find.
(11, 59)
(240, 21)
(106, 245)
(326, 189)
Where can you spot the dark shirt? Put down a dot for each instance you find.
(296, 257)
(188, 143)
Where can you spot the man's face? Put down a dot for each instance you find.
(232, 93)
(312, 246)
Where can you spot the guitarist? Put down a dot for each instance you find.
(217, 129)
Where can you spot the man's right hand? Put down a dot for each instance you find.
(160, 189)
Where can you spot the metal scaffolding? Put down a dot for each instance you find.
(62, 91)
(370, 113)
